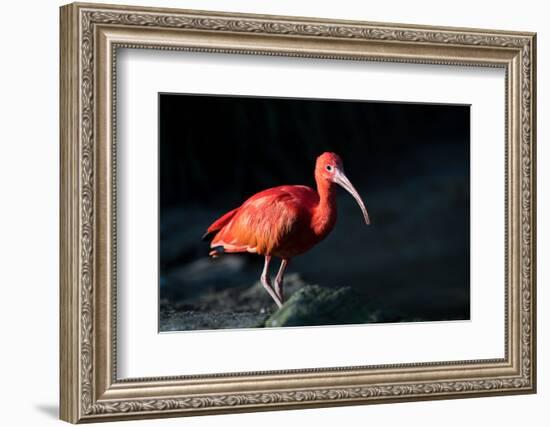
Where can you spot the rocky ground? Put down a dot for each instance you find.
(251, 307)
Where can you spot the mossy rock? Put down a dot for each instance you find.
(314, 305)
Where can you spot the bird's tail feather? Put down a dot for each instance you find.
(219, 249)
(219, 224)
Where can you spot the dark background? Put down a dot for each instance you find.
(409, 162)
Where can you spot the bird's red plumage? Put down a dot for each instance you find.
(279, 221)
(283, 221)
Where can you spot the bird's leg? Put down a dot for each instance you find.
(279, 279)
(266, 282)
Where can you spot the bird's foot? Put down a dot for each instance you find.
(267, 286)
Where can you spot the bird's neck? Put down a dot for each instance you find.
(324, 215)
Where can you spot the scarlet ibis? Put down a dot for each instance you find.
(284, 221)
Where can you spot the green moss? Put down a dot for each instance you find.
(314, 305)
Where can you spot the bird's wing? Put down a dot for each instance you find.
(261, 222)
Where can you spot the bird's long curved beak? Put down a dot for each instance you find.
(341, 179)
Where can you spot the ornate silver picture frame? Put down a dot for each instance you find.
(91, 34)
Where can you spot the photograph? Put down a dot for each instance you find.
(292, 212)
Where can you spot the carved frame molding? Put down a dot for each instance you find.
(90, 37)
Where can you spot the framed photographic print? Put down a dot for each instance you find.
(267, 212)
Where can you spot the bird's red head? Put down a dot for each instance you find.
(329, 167)
(326, 165)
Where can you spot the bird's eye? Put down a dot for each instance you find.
(329, 168)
